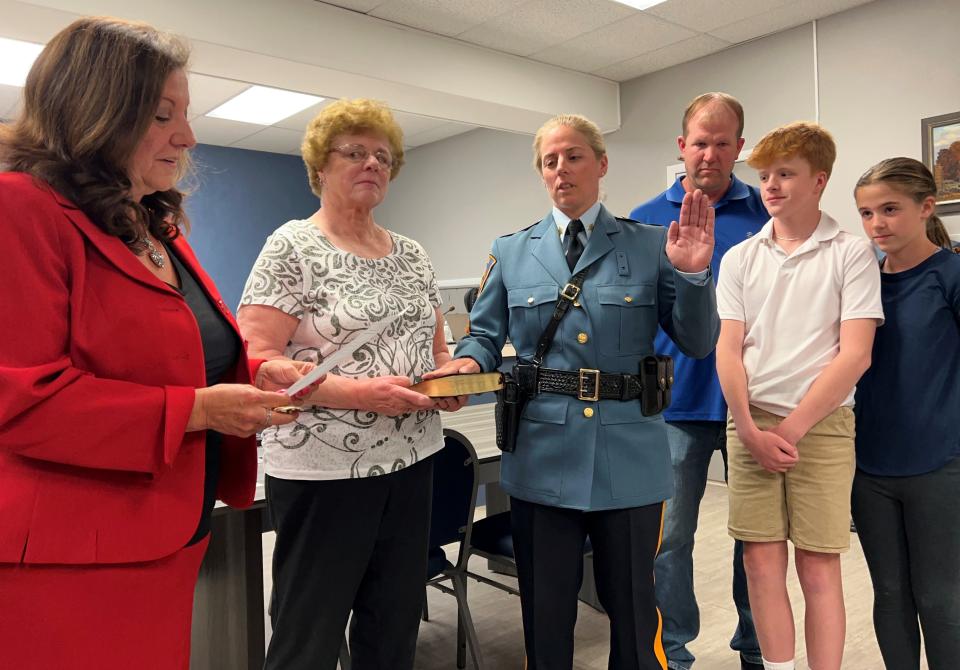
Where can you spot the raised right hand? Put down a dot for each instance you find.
(390, 396)
(237, 409)
(772, 452)
(690, 241)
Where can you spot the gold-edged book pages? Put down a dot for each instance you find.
(444, 387)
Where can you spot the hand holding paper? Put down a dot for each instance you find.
(341, 355)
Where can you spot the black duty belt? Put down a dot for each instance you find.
(584, 384)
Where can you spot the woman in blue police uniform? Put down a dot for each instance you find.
(585, 467)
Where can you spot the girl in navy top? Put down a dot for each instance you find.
(906, 493)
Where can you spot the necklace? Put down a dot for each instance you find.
(788, 239)
(155, 255)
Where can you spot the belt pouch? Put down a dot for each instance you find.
(656, 381)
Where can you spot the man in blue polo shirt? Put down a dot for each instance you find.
(696, 420)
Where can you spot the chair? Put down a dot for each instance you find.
(470, 297)
(455, 476)
(492, 538)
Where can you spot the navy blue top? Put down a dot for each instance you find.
(221, 347)
(908, 402)
(740, 214)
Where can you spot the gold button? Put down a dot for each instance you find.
(576, 303)
(582, 338)
(588, 412)
(627, 298)
(530, 300)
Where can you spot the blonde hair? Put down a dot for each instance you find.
(344, 117)
(801, 138)
(707, 99)
(912, 178)
(583, 125)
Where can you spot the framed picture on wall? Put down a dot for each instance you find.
(941, 153)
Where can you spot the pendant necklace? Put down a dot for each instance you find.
(155, 255)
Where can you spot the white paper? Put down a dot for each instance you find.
(341, 355)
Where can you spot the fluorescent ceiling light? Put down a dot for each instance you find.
(640, 4)
(264, 106)
(16, 59)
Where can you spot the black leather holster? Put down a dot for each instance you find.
(510, 403)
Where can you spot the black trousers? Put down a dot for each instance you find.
(342, 545)
(910, 538)
(548, 543)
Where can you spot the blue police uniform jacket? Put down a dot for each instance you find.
(574, 453)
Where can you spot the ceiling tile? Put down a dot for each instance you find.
(443, 17)
(273, 139)
(536, 25)
(355, 5)
(299, 121)
(411, 124)
(9, 101)
(704, 15)
(680, 52)
(207, 93)
(613, 43)
(221, 131)
(782, 18)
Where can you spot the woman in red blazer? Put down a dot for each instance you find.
(126, 403)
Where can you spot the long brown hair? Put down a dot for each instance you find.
(89, 99)
(912, 178)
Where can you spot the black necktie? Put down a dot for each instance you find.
(572, 248)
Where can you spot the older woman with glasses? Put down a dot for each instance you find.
(349, 482)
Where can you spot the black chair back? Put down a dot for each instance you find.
(470, 297)
(455, 474)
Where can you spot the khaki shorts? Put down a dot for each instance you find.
(809, 504)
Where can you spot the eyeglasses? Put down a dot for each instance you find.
(357, 153)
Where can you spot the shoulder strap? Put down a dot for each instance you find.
(569, 293)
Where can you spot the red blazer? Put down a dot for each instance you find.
(99, 360)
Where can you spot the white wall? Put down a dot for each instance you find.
(457, 195)
(882, 67)
(652, 107)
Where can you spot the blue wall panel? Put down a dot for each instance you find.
(240, 198)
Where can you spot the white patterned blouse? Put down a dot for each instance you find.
(336, 295)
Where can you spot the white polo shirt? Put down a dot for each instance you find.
(792, 306)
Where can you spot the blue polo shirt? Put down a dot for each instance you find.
(740, 214)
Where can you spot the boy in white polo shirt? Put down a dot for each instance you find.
(799, 303)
